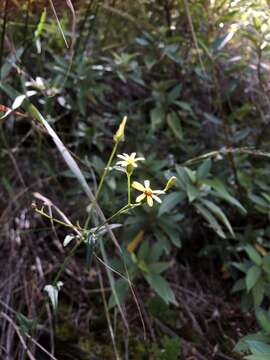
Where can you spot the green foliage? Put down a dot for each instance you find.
(170, 349)
(197, 99)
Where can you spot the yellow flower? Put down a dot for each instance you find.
(147, 192)
(129, 161)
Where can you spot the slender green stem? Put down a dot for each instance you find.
(74, 249)
(106, 169)
(119, 212)
(128, 183)
(66, 260)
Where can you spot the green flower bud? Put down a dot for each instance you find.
(119, 135)
(170, 183)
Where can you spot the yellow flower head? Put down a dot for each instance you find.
(129, 161)
(147, 192)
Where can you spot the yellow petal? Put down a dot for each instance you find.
(149, 201)
(157, 199)
(140, 198)
(136, 185)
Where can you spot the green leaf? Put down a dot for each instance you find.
(253, 254)
(157, 116)
(41, 23)
(192, 192)
(211, 220)
(121, 289)
(263, 319)
(162, 287)
(183, 178)
(158, 267)
(144, 251)
(204, 170)
(258, 347)
(242, 345)
(26, 325)
(266, 263)
(172, 233)
(219, 214)
(222, 192)
(258, 293)
(243, 266)
(252, 277)
(239, 285)
(175, 125)
(170, 201)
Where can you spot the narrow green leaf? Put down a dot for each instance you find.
(263, 319)
(192, 192)
(219, 214)
(175, 125)
(252, 277)
(210, 219)
(162, 287)
(204, 170)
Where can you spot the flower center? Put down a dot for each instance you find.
(148, 192)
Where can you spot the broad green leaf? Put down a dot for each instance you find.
(204, 170)
(183, 178)
(239, 285)
(174, 93)
(159, 267)
(191, 174)
(258, 347)
(263, 319)
(162, 287)
(192, 192)
(210, 219)
(252, 277)
(170, 201)
(253, 254)
(171, 232)
(242, 345)
(266, 263)
(157, 116)
(258, 292)
(243, 266)
(175, 125)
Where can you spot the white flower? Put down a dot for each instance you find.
(129, 161)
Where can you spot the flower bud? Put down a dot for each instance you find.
(170, 183)
(119, 135)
